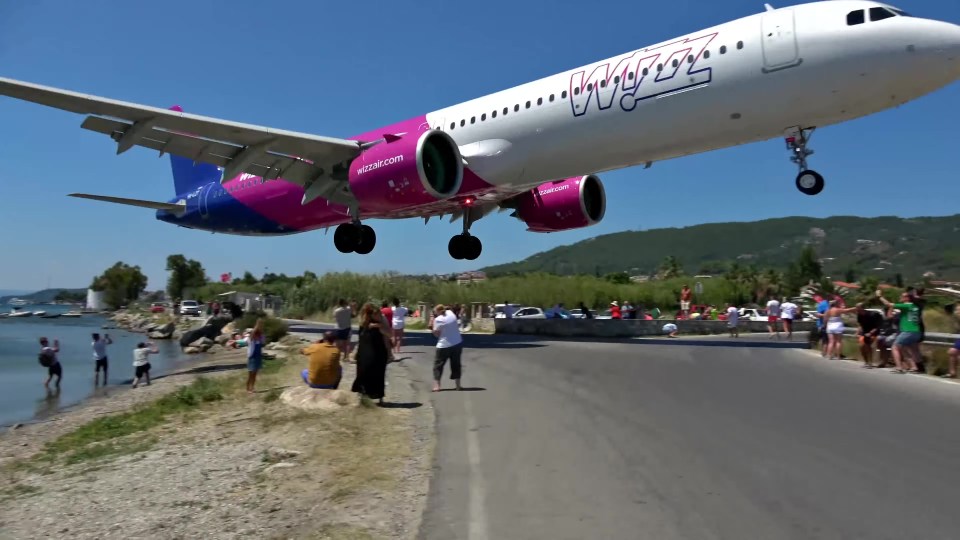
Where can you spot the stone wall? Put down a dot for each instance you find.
(610, 328)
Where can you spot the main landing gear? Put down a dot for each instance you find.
(808, 182)
(464, 246)
(354, 238)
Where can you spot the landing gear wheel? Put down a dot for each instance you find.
(472, 248)
(455, 247)
(810, 182)
(367, 239)
(346, 237)
(465, 247)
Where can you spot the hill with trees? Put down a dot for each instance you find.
(49, 295)
(849, 248)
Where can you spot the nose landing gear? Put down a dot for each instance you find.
(464, 246)
(808, 182)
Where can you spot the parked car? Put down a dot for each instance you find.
(530, 313)
(158, 307)
(750, 314)
(190, 307)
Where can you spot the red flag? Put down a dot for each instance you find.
(225, 278)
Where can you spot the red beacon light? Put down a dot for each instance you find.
(468, 201)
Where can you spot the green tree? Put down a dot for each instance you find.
(184, 274)
(898, 280)
(850, 275)
(868, 285)
(120, 284)
(671, 268)
(617, 277)
(67, 296)
(248, 279)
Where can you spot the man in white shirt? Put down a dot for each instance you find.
(773, 313)
(100, 356)
(141, 361)
(733, 316)
(446, 327)
(788, 312)
(398, 323)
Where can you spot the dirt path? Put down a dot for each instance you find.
(238, 466)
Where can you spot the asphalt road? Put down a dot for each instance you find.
(637, 440)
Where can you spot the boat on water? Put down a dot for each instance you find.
(72, 314)
(51, 316)
(17, 302)
(39, 313)
(20, 314)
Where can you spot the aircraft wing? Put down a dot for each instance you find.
(316, 163)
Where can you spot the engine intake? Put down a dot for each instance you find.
(407, 171)
(564, 205)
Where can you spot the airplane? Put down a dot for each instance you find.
(536, 149)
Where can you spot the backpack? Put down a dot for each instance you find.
(46, 358)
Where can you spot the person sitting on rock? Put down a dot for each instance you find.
(323, 369)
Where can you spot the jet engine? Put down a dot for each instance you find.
(407, 170)
(562, 205)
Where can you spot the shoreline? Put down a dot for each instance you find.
(216, 472)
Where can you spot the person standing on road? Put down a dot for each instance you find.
(835, 327)
(342, 315)
(788, 312)
(449, 346)
(733, 317)
(48, 358)
(100, 356)
(398, 322)
(141, 361)
(909, 332)
(372, 355)
(822, 306)
(869, 324)
(686, 295)
(773, 313)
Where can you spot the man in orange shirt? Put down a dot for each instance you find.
(323, 369)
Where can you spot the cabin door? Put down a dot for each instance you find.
(780, 49)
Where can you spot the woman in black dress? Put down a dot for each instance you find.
(372, 354)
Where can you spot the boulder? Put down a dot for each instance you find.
(191, 350)
(214, 348)
(158, 335)
(202, 342)
(303, 397)
(222, 339)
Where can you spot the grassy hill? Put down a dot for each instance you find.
(882, 247)
(42, 297)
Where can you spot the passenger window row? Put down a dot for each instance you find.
(576, 91)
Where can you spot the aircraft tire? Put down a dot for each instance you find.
(346, 237)
(810, 182)
(367, 239)
(472, 248)
(456, 247)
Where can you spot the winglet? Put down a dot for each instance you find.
(769, 7)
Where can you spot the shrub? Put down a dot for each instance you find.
(273, 329)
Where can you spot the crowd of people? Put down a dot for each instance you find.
(379, 340)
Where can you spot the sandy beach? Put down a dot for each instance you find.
(212, 461)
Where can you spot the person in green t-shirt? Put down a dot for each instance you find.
(907, 345)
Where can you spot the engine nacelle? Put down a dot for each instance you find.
(408, 170)
(563, 205)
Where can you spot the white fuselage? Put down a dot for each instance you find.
(744, 81)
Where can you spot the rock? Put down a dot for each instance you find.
(191, 350)
(202, 342)
(214, 348)
(280, 454)
(281, 465)
(304, 397)
(222, 339)
(158, 335)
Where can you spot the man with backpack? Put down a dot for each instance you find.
(48, 359)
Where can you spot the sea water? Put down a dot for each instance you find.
(23, 397)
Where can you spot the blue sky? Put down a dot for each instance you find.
(339, 69)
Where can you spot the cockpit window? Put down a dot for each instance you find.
(856, 17)
(879, 14)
